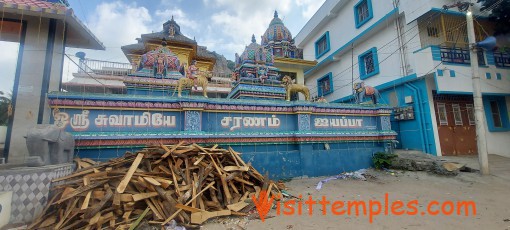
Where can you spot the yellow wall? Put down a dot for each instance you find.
(300, 76)
(204, 66)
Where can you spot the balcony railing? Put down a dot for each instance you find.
(460, 56)
(502, 59)
(104, 67)
(99, 67)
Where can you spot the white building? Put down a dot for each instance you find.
(415, 53)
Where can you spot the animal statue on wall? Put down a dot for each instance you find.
(292, 88)
(321, 100)
(361, 91)
(185, 82)
(47, 144)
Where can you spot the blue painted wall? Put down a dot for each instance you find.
(414, 134)
(281, 161)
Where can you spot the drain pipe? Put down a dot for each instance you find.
(419, 115)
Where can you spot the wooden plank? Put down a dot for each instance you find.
(85, 205)
(226, 191)
(200, 217)
(164, 183)
(96, 208)
(184, 188)
(96, 194)
(199, 160)
(88, 160)
(188, 208)
(236, 156)
(236, 168)
(152, 181)
(237, 206)
(123, 184)
(243, 181)
(164, 169)
(80, 190)
(177, 212)
(126, 197)
(142, 196)
(194, 189)
(169, 151)
(73, 175)
(126, 215)
(215, 165)
(233, 187)
(67, 191)
(66, 214)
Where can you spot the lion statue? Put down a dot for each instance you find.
(294, 88)
(184, 82)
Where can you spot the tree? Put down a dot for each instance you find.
(231, 65)
(5, 103)
(500, 15)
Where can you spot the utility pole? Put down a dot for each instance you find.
(481, 140)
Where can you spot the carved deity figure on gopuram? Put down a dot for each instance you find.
(160, 63)
(255, 77)
(162, 58)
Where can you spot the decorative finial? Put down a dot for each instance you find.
(172, 18)
(253, 39)
(194, 38)
(275, 14)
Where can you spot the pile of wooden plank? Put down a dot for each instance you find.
(185, 183)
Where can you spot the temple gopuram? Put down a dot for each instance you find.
(262, 109)
(184, 48)
(157, 61)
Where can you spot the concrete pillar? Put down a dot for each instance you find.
(39, 71)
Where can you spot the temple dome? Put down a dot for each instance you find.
(255, 53)
(276, 32)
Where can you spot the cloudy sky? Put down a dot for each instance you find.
(224, 26)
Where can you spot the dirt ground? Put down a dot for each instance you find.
(490, 193)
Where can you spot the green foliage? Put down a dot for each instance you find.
(382, 160)
(500, 15)
(5, 102)
(231, 65)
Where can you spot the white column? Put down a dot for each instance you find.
(477, 98)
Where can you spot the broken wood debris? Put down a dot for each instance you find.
(187, 183)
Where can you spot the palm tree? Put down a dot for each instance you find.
(5, 104)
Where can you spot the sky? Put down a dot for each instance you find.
(224, 26)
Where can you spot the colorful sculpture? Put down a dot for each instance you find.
(291, 88)
(161, 61)
(262, 72)
(186, 82)
(192, 73)
(254, 76)
(361, 90)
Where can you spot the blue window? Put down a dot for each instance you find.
(325, 85)
(363, 12)
(488, 76)
(498, 76)
(496, 113)
(452, 73)
(322, 45)
(440, 72)
(368, 64)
